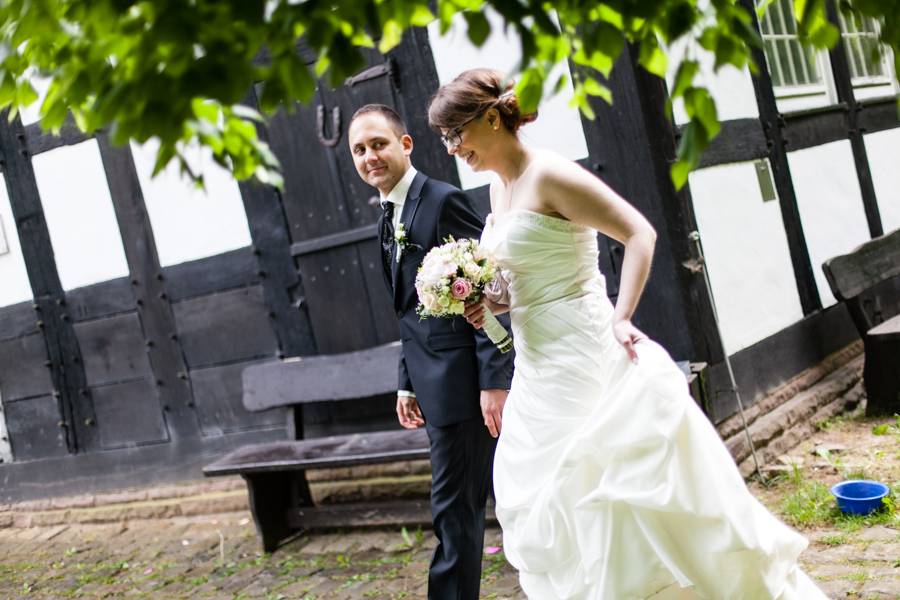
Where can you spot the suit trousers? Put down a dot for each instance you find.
(462, 456)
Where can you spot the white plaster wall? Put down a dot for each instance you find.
(747, 255)
(188, 223)
(558, 126)
(80, 215)
(14, 284)
(883, 150)
(731, 88)
(831, 206)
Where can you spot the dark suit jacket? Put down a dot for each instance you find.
(445, 362)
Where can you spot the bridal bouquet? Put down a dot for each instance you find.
(453, 273)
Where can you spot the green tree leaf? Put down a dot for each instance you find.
(479, 28)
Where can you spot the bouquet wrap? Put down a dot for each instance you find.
(453, 273)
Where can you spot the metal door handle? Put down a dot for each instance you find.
(335, 126)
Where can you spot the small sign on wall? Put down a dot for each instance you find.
(4, 246)
(766, 183)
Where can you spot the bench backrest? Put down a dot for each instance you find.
(868, 280)
(875, 261)
(362, 374)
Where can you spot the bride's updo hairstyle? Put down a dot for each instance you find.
(473, 93)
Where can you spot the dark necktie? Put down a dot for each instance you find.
(387, 238)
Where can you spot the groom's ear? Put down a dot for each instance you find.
(407, 143)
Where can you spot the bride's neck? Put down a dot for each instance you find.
(509, 161)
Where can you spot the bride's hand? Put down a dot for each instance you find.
(628, 335)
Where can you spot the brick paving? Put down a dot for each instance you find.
(218, 558)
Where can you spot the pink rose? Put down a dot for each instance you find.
(460, 288)
(450, 269)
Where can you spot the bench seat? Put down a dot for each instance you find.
(324, 453)
(887, 331)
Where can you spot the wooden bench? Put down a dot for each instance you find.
(868, 281)
(275, 472)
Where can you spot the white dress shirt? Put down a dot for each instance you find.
(398, 197)
(398, 194)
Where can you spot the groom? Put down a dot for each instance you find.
(453, 380)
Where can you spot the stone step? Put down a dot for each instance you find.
(796, 419)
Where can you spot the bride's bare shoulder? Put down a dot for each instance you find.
(551, 168)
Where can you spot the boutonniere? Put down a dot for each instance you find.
(403, 245)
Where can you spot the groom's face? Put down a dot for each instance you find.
(380, 155)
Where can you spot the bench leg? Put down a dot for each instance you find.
(272, 495)
(881, 376)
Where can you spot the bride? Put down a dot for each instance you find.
(610, 483)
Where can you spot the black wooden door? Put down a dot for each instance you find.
(332, 214)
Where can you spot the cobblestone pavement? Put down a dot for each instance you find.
(218, 557)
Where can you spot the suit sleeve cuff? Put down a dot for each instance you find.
(406, 393)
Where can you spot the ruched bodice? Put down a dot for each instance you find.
(610, 483)
(546, 259)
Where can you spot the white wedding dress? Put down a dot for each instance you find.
(610, 482)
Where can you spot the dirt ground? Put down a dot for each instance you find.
(845, 447)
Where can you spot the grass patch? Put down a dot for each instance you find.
(833, 540)
(810, 504)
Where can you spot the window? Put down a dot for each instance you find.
(792, 65)
(802, 77)
(861, 44)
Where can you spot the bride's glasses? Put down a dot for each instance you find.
(452, 138)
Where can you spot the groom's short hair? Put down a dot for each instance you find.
(395, 121)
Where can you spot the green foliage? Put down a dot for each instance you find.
(178, 69)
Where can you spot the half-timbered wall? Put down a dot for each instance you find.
(130, 305)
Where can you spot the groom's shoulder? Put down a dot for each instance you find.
(435, 188)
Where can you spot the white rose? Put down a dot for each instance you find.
(429, 301)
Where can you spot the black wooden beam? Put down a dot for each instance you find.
(334, 241)
(779, 358)
(102, 299)
(122, 468)
(784, 185)
(743, 140)
(631, 145)
(878, 115)
(272, 244)
(416, 82)
(740, 140)
(40, 141)
(149, 287)
(51, 313)
(814, 127)
(226, 271)
(17, 320)
(844, 85)
(677, 208)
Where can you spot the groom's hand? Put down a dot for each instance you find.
(474, 314)
(408, 412)
(492, 402)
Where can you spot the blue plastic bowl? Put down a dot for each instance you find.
(859, 497)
